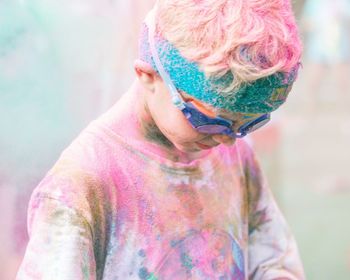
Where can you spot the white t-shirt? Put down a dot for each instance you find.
(112, 209)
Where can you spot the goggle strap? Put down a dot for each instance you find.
(176, 98)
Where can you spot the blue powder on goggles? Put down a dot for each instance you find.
(261, 96)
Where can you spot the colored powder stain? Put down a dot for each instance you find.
(152, 277)
(144, 274)
(186, 261)
(238, 256)
(86, 272)
(173, 243)
(142, 253)
(188, 198)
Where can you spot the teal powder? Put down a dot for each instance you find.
(257, 97)
(186, 261)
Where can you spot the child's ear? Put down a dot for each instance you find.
(146, 74)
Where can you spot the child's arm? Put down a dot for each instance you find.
(60, 245)
(272, 249)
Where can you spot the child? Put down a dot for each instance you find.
(158, 187)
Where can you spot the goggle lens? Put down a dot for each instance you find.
(208, 125)
(211, 129)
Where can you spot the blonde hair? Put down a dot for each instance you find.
(251, 38)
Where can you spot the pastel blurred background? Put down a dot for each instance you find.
(63, 63)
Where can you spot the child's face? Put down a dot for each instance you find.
(177, 129)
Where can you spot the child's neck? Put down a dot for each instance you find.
(135, 122)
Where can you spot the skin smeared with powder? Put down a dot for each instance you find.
(153, 134)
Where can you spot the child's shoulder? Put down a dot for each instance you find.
(68, 183)
(77, 179)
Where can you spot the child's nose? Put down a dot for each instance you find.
(224, 139)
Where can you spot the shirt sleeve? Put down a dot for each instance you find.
(272, 250)
(60, 245)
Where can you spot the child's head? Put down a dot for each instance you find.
(241, 56)
(253, 39)
(239, 41)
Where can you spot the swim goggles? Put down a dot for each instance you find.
(198, 120)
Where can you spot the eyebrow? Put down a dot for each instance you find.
(219, 112)
(203, 104)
